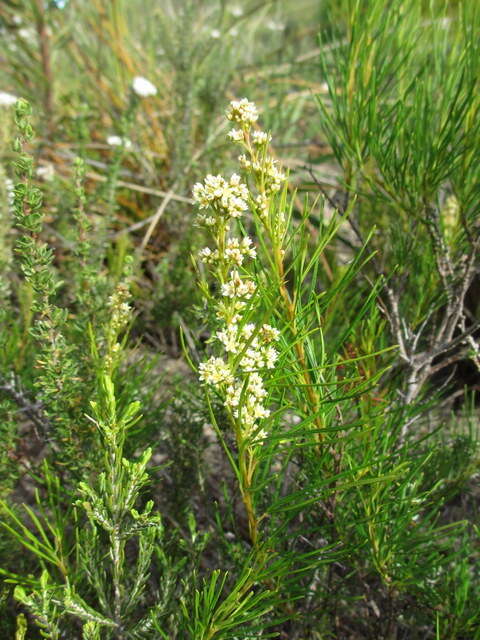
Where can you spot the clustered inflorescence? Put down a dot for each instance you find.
(247, 349)
(120, 315)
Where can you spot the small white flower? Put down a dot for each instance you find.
(261, 137)
(255, 386)
(215, 371)
(262, 204)
(117, 141)
(233, 396)
(215, 34)
(243, 112)
(234, 255)
(271, 356)
(46, 173)
(10, 189)
(143, 87)
(247, 249)
(236, 135)
(114, 141)
(236, 250)
(207, 255)
(269, 334)
(247, 330)
(26, 33)
(238, 288)
(229, 338)
(261, 435)
(236, 11)
(7, 99)
(261, 412)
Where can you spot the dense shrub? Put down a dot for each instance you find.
(238, 372)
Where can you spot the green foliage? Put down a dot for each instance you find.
(250, 413)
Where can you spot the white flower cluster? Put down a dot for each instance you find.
(236, 135)
(248, 348)
(261, 137)
(253, 346)
(215, 372)
(245, 392)
(237, 287)
(242, 112)
(226, 198)
(245, 395)
(268, 177)
(236, 250)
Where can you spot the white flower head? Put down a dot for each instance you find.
(143, 87)
(207, 255)
(243, 112)
(271, 356)
(229, 338)
(215, 371)
(237, 249)
(236, 11)
(261, 137)
(238, 288)
(117, 141)
(7, 99)
(227, 198)
(215, 34)
(262, 204)
(236, 135)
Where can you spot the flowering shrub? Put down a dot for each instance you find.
(303, 478)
